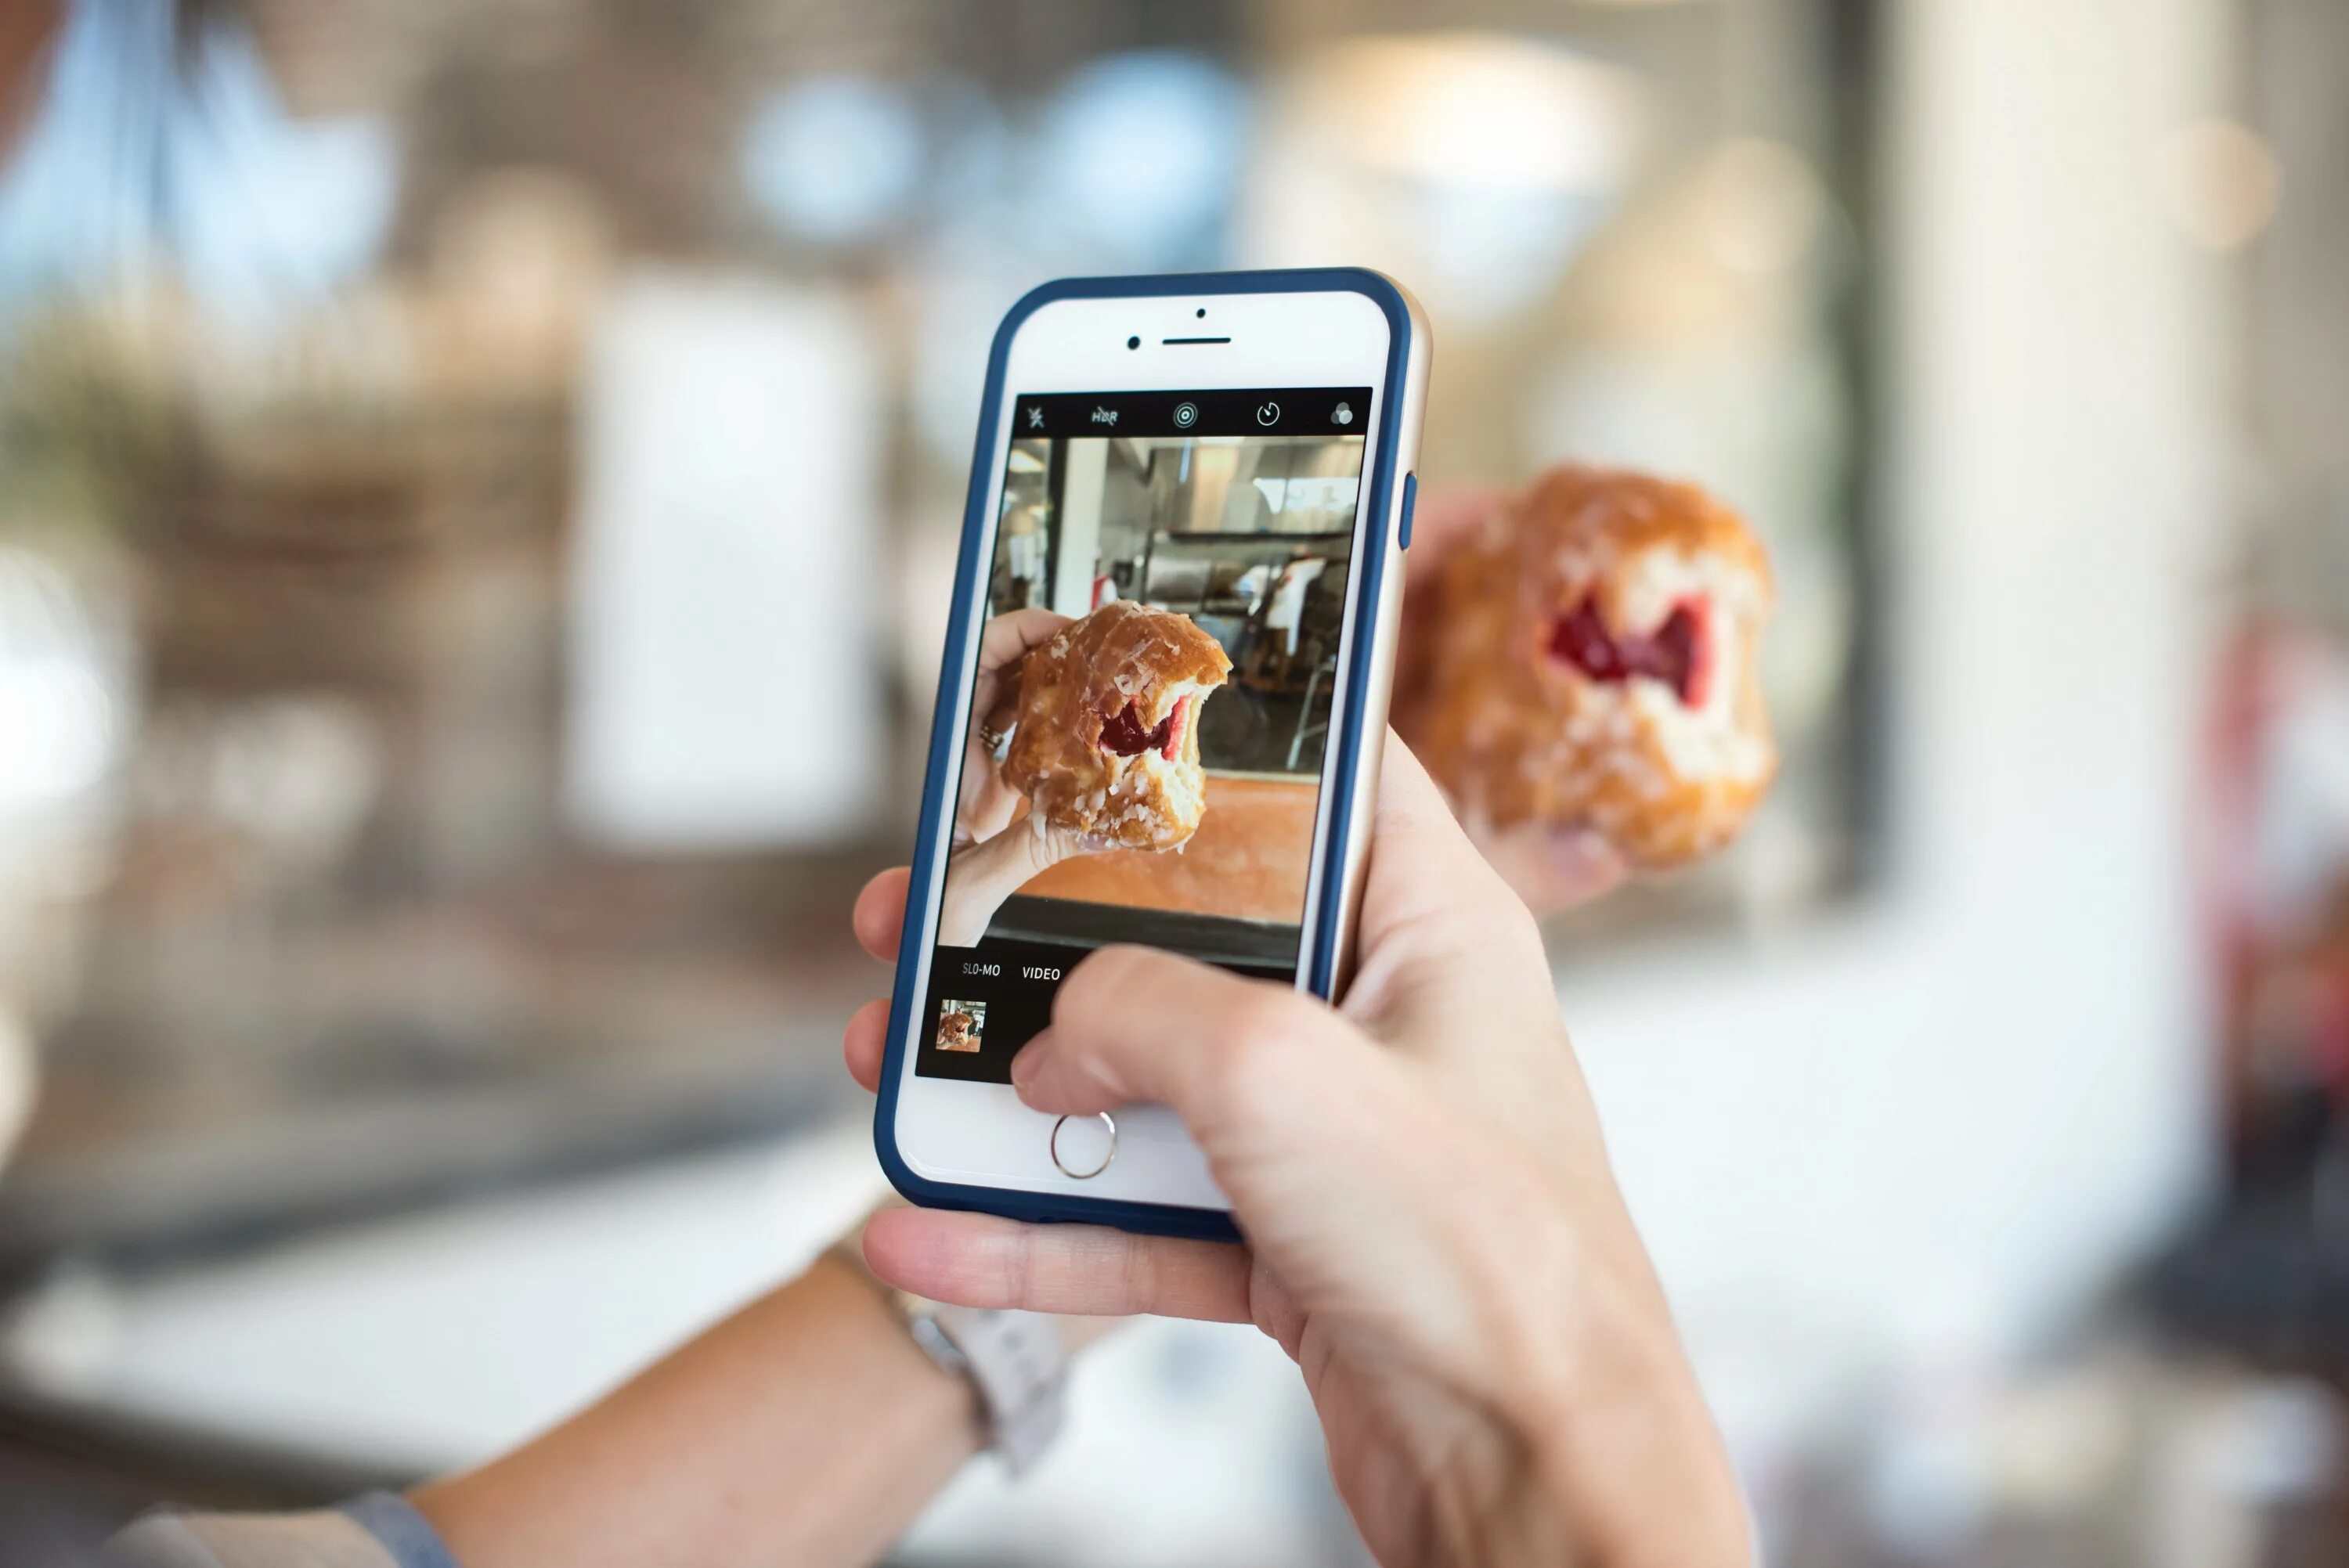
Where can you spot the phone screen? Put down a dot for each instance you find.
(1144, 539)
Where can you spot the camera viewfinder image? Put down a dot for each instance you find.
(1151, 708)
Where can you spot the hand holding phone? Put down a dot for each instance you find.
(1433, 1230)
(1160, 706)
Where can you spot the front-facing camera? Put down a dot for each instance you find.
(1133, 343)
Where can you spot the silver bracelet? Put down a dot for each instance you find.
(1017, 1362)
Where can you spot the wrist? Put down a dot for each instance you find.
(1640, 1479)
(935, 1387)
(1004, 860)
(814, 1382)
(1618, 1444)
(1014, 1364)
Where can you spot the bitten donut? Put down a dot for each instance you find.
(1593, 663)
(1108, 738)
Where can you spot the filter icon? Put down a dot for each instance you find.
(1343, 414)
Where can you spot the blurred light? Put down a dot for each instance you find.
(66, 207)
(1476, 111)
(1476, 164)
(519, 257)
(58, 728)
(976, 155)
(2221, 182)
(298, 773)
(519, 234)
(1141, 153)
(130, 156)
(727, 527)
(1759, 205)
(834, 160)
(268, 202)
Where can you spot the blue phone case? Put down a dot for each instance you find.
(1153, 1218)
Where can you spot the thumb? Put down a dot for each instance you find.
(1425, 876)
(1135, 1024)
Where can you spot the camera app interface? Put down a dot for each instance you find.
(1152, 705)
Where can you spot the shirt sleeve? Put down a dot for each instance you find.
(377, 1531)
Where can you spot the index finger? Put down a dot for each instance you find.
(1425, 876)
(980, 1259)
(1003, 642)
(1009, 636)
(879, 916)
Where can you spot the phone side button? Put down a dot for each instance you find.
(1083, 1146)
(1410, 499)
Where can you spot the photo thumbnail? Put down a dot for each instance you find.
(961, 1026)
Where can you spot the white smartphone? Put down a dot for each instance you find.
(1224, 459)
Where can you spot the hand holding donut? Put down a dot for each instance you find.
(986, 805)
(1578, 671)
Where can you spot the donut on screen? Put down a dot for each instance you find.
(956, 1032)
(1592, 662)
(1108, 738)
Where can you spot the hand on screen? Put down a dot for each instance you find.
(1553, 870)
(986, 805)
(1433, 1231)
(981, 876)
(997, 847)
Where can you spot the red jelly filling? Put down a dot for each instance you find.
(1121, 732)
(1679, 652)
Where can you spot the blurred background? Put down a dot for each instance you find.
(478, 490)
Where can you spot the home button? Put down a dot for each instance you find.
(1083, 1146)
